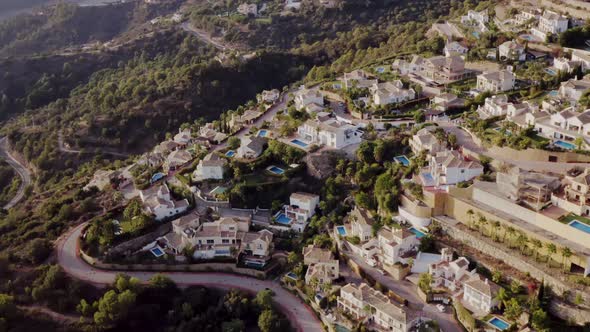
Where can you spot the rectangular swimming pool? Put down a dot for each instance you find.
(300, 143)
(564, 145)
(222, 252)
(283, 219)
(262, 133)
(275, 170)
(157, 251)
(292, 275)
(418, 233)
(230, 153)
(341, 230)
(498, 323)
(580, 225)
(402, 160)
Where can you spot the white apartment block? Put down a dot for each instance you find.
(158, 202)
(383, 312)
(391, 93)
(329, 132)
(499, 81)
(450, 167)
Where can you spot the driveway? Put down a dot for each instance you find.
(299, 314)
(22, 171)
(407, 290)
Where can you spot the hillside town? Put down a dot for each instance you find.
(443, 190)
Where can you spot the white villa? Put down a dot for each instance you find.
(512, 51)
(269, 96)
(383, 312)
(301, 207)
(550, 23)
(446, 101)
(304, 97)
(184, 137)
(424, 140)
(221, 238)
(361, 223)
(454, 48)
(480, 295)
(157, 201)
(526, 16)
(575, 197)
(359, 79)
(176, 159)
(248, 9)
(449, 273)
(565, 65)
(574, 89)
(251, 147)
(210, 168)
(496, 105)
(321, 265)
(583, 58)
(396, 245)
(329, 132)
(499, 81)
(478, 19)
(450, 167)
(566, 125)
(391, 93)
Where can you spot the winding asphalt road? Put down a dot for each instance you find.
(22, 171)
(299, 314)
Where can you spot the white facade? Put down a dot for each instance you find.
(566, 125)
(450, 167)
(269, 96)
(496, 105)
(424, 140)
(449, 273)
(512, 51)
(391, 93)
(211, 167)
(395, 244)
(330, 132)
(359, 79)
(248, 9)
(158, 202)
(480, 294)
(574, 89)
(582, 58)
(478, 19)
(495, 82)
(304, 97)
(453, 48)
(383, 312)
(303, 205)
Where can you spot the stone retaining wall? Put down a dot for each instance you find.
(138, 242)
(560, 287)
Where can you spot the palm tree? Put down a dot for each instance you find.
(511, 231)
(551, 250)
(496, 226)
(470, 215)
(566, 253)
(579, 141)
(482, 222)
(521, 242)
(501, 297)
(538, 245)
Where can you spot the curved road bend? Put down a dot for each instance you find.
(22, 171)
(300, 315)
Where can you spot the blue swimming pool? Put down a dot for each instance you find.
(157, 177)
(499, 323)
(222, 252)
(402, 160)
(341, 230)
(564, 145)
(300, 143)
(428, 179)
(292, 275)
(475, 34)
(418, 233)
(230, 153)
(527, 37)
(550, 71)
(283, 219)
(276, 170)
(262, 133)
(255, 264)
(380, 70)
(337, 86)
(499, 129)
(157, 251)
(580, 225)
(553, 93)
